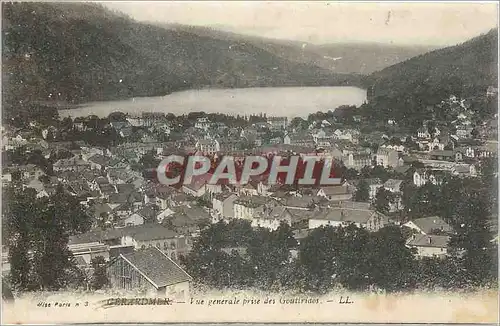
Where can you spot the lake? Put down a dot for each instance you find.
(274, 101)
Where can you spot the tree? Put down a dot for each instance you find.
(382, 200)
(298, 123)
(362, 192)
(67, 123)
(39, 230)
(354, 271)
(471, 244)
(268, 253)
(99, 275)
(117, 116)
(317, 259)
(391, 264)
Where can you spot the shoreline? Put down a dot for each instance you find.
(229, 101)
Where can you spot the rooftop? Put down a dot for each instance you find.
(157, 267)
(350, 215)
(427, 224)
(435, 241)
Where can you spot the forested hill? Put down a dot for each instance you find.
(349, 58)
(78, 52)
(465, 69)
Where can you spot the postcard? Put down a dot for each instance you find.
(249, 162)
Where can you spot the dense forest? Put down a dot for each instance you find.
(463, 70)
(348, 58)
(73, 53)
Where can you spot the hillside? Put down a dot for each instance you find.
(362, 58)
(73, 53)
(465, 69)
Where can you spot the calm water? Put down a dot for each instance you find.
(279, 101)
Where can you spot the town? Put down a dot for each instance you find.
(403, 206)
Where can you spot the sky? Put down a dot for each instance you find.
(318, 22)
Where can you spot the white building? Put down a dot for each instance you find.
(344, 216)
(202, 123)
(429, 245)
(208, 146)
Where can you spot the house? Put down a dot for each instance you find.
(423, 133)
(94, 243)
(208, 146)
(162, 195)
(358, 160)
(151, 272)
(332, 152)
(491, 91)
(464, 170)
(343, 216)
(394, 186)
(302, 202)
(136, 121)
(373, 185)
(188, 220)
(6, 176)
(30, 171)
(246, 207)
(126, 132)
(149, 212)
(202, 123)
(74, 164)
(422, 176)
(436, 144)
(300, 139)
(343, 135)
(173, 244)
(429, 245)
(122, 210)
(487, 150)
(464, 131)
(400, 148)
(277, 123)
(199, 186)
(78, 187)
(429, 225)
(272, 218)
(118, 125)
(387, 157)
(223, 204)
(163, 214)
(248, 189)
(335, 193)
(131, 220)
(229, 145)
(99, 162)
(183, 224)
(446, 155)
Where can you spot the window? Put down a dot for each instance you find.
(143, 247)
(150, 245)
(172, 245)
(165, 245)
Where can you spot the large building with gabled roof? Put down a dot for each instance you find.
(149, 272)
